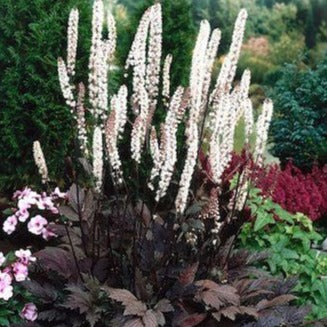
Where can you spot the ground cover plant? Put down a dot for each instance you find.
(289, 239)
(145, 234)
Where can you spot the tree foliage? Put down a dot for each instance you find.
(32, 36)
(299, 129)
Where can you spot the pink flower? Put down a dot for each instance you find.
(56, 194)
(22, 215)
(36, 225)
(9, 225)
(29, 312)
(23, 204)
(26, 198)
(20, 271)
(45, 202)
(25, 256)
(21, 194)
(6, 290)
(2, 259)
(47, 233)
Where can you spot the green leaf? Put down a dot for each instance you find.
(263, 219)
(4, 322)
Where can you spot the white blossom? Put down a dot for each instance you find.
(262, 130)
(40, 161)
(72, 40)
(114, 128)
(66, 87)
(197, 76)
(97, 158)
(156, 157)
(169, 152)
(81, 123)
(140, 126)
(166, 79)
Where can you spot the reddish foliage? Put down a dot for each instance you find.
(296, 191)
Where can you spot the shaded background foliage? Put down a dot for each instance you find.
(299, 129)
(33, 35)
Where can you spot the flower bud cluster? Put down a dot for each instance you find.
(65, 85)
(40, 161)
(168, 152)
(262, 130)
(166, 79)
(100, 53)
(198, 72)
(72, 40)
(140, 126)
(81, 123)
(114, 128)
(97, 146)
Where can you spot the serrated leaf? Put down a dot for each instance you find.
(192, 320)
(69, 213)
(150, 319)
(279, 300)
(164, 305)
(187, 276)
(263, 219)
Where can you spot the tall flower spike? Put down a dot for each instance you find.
(212, 211)
(122, 109)
(66, 87)
(81, 125)
(140, 126)
(242, 94)
(166, 79)
(40, 161)
(112, 36)
(137, 55)
(72, 39)
(192, 133)
(248, 119)
(243, 190)
(97, 158)
(96, 56)
(114, 127)
(154, 55)
(145, 60)
(102, 107)
(169, 156)
(155, 154)
(210, 59)
(228, 69)
(221, 143)
(262, 130)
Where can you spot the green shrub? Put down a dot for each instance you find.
(299, 128)
(288, 240)
(32, 36)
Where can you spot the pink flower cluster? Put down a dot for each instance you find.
(28, 201)
(15, 271)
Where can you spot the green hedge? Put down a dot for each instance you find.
(299, 127)
(32, 36)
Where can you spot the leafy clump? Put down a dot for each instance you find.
(288, 239)
(148, 273)
(299, 128)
